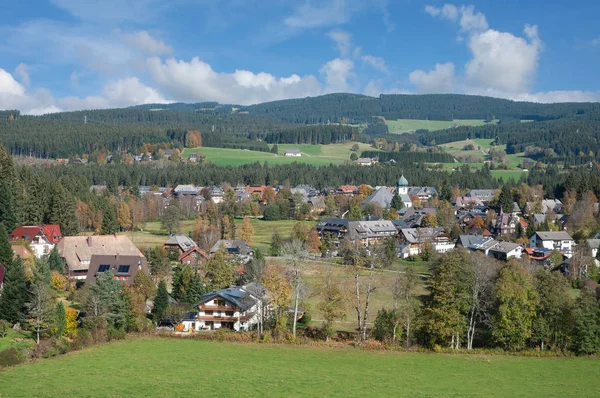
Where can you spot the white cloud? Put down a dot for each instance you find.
(468, 19)
(337, 73)
(342, 41)
(327, 13)
(23, 71)
(197, 81)
(502, 61)
(147, 44)
(596, 41)
(439, 80)
(375, 62)
(373, 88)
(8, 85)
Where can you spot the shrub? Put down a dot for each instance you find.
(272, 213)
(115, 334)
(11, 357)
(59, 282)
(4, 326)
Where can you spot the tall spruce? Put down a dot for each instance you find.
(109, 219)
(586, 339)
(161, 302)
(62, 210)
(14, 298)
(7, 209)
(6, 253)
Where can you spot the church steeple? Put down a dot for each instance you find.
(402, 185)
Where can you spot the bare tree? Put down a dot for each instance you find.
(41, 307)
(296, 253)
(481, 272)
(406, 304)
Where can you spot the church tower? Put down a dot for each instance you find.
(402, 186)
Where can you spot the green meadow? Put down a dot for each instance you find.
(402, 126)
(161, 367)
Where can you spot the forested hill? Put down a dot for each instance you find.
(352, 108)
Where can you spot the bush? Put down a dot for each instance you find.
(272, 213)
(11, 357)
(4, 326)
(115, 334)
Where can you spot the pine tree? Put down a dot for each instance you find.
(109, 220)
(397, 202)
(62, 211)
(60, 320)
(14, 298)
(161, 302)
(587, 325)
(195, 290)
(55, 262)
(7, 210)
(505, 200)
(6, 253)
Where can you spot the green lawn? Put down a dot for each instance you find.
(508, 174)
(317, 155)
(15, 338)
(151, 235)
(156, 367)
(402, 126)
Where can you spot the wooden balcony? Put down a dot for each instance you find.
(205, 307)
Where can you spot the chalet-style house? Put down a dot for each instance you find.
(413, 239)
(543, 207)
(234, 247)
(506, 250)
(233, 308)
(294, 152)
(193, 256)
(77, 251)
(365, 161)
(559, 240)
(181, 191)
(506, 224)
(476, 243)
(367, 232)
(124, 268)
(41, 238)
(216, 194)
(21, 251)
(347, 190)
(179, 242)
(485, 195)
(467, 202)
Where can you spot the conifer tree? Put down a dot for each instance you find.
(14, 298)
(161, 302)
(6, 253)
(7, 210)
(587, 324)
(109, 220)
(55, 262)
(62, 210)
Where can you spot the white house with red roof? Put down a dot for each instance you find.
(41, 238)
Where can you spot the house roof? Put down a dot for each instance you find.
(232, 246)
(235, 295)
(293, 150)
(554, 235)
(78, 249)
(419, 235)
(21, 251)
(182, 240)
(131, 266)
(476, 242)
(28, 232)
(471, 201)
(593, 243)
(348, 188)
(505, 247)
(192, 250)
(381, 197)
(483, 194)
(181, 189)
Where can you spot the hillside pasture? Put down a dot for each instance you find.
(316, 155)
(169, 367)
(402, 126)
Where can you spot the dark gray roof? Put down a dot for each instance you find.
(381, 197)
(236, 296)
(554, 235)
(504, 247)
(181, 240)
(232, 246)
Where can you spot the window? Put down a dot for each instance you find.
(222, 302)
(229, 313)
(208, 312)
(103, 268)
(123, 269)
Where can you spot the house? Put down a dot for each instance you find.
(543, 207)
(179, 242)
(478, 243)
(193, 256)
(41, 238)
(233, 247)
(21, 251)
(382, 198)
(413, 239)
(559, 219)
(506, 250)
(196, 157)
(485, 195)
(293, 152)
(413, 217)
(347, 190)
(467, 202)
(185, 190)
(423, 193)
(365, 161)
(123, 267)
(77, 251)
(505, 224)
(216, 194)
(559, 240)
(594, 245)
(367, 232)
(233, 308)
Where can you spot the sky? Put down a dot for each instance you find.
(59, 55)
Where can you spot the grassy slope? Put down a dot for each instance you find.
(177, 368)
(152, 235)
(411, 125)
(15, 338)
(317, 155)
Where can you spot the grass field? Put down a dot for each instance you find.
(508, 174)
(317, 155)
(16, 338)
(156, 367)
(152, 235)
(402, 126)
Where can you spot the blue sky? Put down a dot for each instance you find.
(80, 54)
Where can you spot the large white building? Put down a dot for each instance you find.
(559, 240)
(234, 308)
